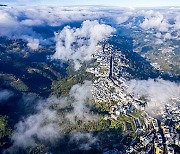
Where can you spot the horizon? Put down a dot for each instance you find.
(105, 3)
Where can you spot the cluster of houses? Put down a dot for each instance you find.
(105, 88)
(154, 136)
(170, 124)
(159, 135)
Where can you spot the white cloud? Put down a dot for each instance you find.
(159, 35)
(84, 139)
(156, 21)
(122, 19)
(159, 92)
(78, 44)
(8, 24)
(42, 126)
(33, 44)
(7, 20)
(47, 125)
(177, 22)
(158, 41)
(81, 94)
(18, 22)
(167, 36)
(31, 22)
(13, 29)
(5, 95)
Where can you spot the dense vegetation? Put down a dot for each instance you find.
(5, 131)
(63, 86)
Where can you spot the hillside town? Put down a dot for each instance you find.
(153, 134)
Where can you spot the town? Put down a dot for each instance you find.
(153, 134)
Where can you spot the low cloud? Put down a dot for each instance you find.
(33, 44)
(18, 22)
(177, 22)
(47, 125)
(5, 95)
(41, 126)
(158, 92)
(156, 20)
(122, 19)
(85, 140)
(148, 19)
(24, 22)
(78, 44)
(81, 94)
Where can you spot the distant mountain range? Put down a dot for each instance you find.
(3, 5)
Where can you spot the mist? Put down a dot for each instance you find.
(48, 126)
(158, 92)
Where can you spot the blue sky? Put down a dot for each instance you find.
(121, 3)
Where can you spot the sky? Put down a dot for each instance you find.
(119, 3)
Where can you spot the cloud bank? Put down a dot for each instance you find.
(23, 22)
(78, 44)
(158, 92)
(18, 22)
(163, 21)
(47, 125)
(157, 22)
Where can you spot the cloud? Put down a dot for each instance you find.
(13, 29)
(158, 41)
(85, 140)
(47, 125)
(78, 44)
(7, 20)
(18, 21)
(156, 21)
(81, 94)
(42, 126)
(5, 95)
(168, 36)
(160, 20)
(33, 44)
(122, 19)
(31, 22)
(8, 24)
(177, 22)
(158, 92)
